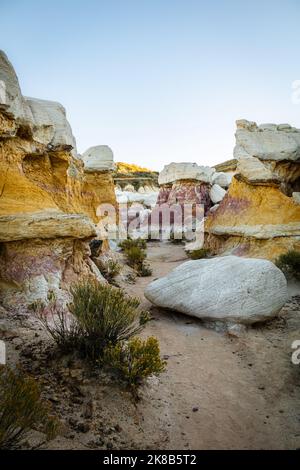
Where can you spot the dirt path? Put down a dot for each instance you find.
(245, 390)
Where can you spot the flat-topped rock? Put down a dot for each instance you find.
(49, 123)
(185, 171)
(45, 225)
(267, 141)
(99, 158)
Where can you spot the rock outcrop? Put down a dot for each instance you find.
(260, 214)
(98, 158)
(48, 199)
(185, 171)
(185, 183)
(228, 289)
(130, 177)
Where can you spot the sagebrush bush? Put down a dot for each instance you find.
(135, 360)
(60, 324)
(100, 315)
(136, 259)
(198, 254)
(109, 269)
(289, 263)
(22, 409)
(133, 242)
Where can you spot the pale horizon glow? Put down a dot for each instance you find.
(157, 80)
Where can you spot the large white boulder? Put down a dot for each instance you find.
(267, 141)
(11, 96)
(49, 123)
(222, 179)
(254, 170)
(98, 158)
(185, 171)
(216, 193)
(229, 289)
(45, 120)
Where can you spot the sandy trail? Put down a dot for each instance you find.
(245, 390)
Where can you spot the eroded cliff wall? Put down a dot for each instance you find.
(48, 196)
(260, 214)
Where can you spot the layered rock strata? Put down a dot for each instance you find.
(48, 195)
(260, 214)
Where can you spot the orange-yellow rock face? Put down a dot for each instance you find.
(254, 220)
(34, 179)
(48, 198)
(253, 205)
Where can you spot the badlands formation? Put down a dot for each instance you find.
(233, 390)
(260, 214)
(48, 195)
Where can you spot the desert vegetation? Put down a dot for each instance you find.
(100, 325)
(22, 409)
(135, 252)
(289, 263)
(199, 253)
(109, 269)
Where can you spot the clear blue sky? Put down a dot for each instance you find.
(158, 80)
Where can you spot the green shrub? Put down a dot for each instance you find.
(289, 263)
(136, 259)
(100, 315)
(105, 314)
(109, 269)
(144, 270)
(60, 324)
(135, 254)
(198, 254)
(130, 243)
(22, 409)
(135, 360)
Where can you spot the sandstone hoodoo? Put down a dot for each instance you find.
(228, 289)
(260, 214)
(189, 183)
(185, 183)
(48, 195)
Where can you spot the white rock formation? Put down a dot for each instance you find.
(253, 170)
(49, 123)
(222, 179)
(267, 141)
(129, 188)
(45, 120)
(11, 96)
(229, 289)
(185, 171)
(216, 193)
(259, 232)
(98, 158)
(147, 199)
